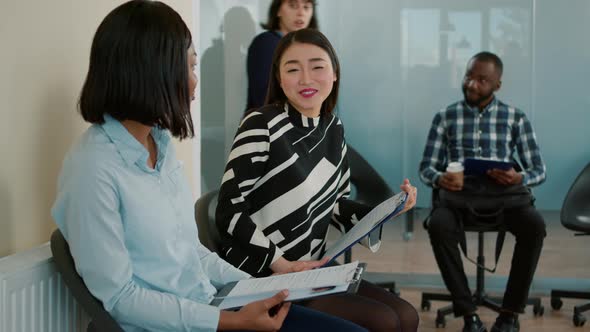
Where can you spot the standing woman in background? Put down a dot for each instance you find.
(284, 16)
(287, 179)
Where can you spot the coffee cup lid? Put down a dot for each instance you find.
(455, 167)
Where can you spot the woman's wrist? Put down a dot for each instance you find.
(230, 320)
(280, 265)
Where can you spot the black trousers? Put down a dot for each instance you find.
(445, 231)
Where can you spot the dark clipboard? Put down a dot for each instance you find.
(385, 219)
(474, 166)
(352, 289)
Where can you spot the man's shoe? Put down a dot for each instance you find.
(506, 323)
(473, 324)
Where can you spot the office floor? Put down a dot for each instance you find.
(564, 258)
(551, 321)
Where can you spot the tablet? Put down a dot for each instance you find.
(475, 166)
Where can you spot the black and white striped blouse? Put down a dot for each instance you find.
(286, 179)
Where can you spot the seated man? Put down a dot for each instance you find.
(481, 126)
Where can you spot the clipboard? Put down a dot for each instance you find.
(294, 295)
(382, 219)
(475, 166)
(356, 280)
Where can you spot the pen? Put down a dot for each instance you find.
(322, 289)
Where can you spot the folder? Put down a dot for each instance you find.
(301, 285)
(383, 212)
(478, 166)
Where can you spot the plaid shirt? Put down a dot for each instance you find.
(461, 131)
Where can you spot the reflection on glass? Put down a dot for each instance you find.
(402, 61)
(225, 33)
(510, 31)
(464, 42)
(420, 37)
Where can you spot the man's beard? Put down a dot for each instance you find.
(477, 101)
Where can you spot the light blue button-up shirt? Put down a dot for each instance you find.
(132, 233)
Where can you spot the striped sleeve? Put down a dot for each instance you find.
(434, 156)
(248, 248)
(529, 153)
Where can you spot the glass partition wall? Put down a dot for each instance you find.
(404, 60)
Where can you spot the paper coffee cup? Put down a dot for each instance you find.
(455, 167)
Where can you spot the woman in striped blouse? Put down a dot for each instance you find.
(287, 179)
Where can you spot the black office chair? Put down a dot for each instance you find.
(209, 235)
(479, 295)
(370, 188)
(575, 215)
(205, 217)
(101, 320)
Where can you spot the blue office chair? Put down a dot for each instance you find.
(575, 215)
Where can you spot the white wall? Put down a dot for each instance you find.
(43, 62)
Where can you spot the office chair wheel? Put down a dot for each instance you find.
(538, 310)
(425, 305)
(440, 320)
(407, 236)
(579, 319)
(556, 303)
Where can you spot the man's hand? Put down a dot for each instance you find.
(256, 316)
(506, 178)
(282, 265)
(412, 194)
(449, 182)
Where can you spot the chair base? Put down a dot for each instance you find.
(578, 318)
(480, 299)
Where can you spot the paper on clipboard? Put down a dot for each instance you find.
(301, 285)
(381, 213)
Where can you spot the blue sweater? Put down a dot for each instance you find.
(259, 63)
